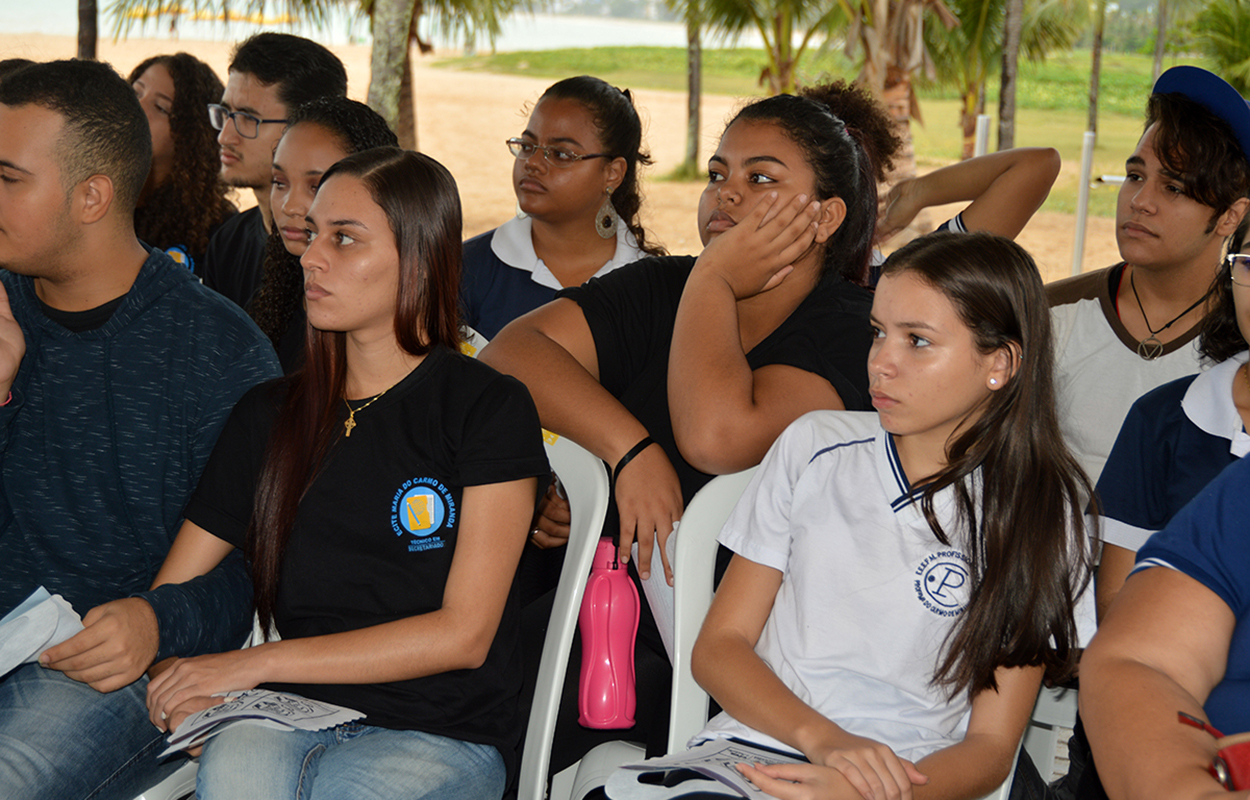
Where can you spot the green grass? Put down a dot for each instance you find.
(1052, 98)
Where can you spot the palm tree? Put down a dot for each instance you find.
(1012, 29)
(1221, 29)
(88, 16)
(778, 22)
(967, 54)
(889, 34)
(394, 24)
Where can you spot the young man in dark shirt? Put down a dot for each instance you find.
(270, 74)
(117, 371)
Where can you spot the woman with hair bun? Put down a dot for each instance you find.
(184, 200)
(676, 369)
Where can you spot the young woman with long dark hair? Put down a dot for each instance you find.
(184, 200)
(318, 134)
(381, 494)
(952, 515)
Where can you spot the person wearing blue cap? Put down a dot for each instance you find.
(1123, 330)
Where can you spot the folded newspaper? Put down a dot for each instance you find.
(40, 621)
(258, 707)
(673, 775)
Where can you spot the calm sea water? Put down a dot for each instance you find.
(520, 32)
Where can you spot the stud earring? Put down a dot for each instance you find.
(607, 218)
(993, 381)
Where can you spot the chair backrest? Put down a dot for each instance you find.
(694, 560)
(585, 480)
(473, 341)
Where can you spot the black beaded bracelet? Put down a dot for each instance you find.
(646, 442)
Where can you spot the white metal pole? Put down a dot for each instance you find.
(983, 135)
(1082, 201)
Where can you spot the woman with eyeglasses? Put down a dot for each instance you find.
(578, 198)
(577, 190)
(184, 200)
(1178, 437)
(1175, 440)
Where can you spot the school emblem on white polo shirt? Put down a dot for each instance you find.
(942, 583)
(421, 508)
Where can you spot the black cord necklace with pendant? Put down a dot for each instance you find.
(1151, 348)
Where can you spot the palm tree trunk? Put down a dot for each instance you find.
(694, 91)
(88, 22)
(1100, 23)
(389, 61)
(406, 130)
(1012, 26)
(1161, 38)
(898, 102)
(968, 121)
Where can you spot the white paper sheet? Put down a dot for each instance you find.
(40, 621)
(258, 707)
(715, 759)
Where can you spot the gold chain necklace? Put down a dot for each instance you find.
(350, 422)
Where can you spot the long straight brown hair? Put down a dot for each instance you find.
(1023, 530)
(422, 206)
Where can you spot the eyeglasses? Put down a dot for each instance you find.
(247, 125)
(1239, 268)
(556, 156)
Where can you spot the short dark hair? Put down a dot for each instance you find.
(106, 131)
(11, 65)
(1220, 338)
(302, 69)
(1201, 149)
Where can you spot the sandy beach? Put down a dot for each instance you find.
(463, 119)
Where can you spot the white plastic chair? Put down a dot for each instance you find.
(694, 556)
(1054, 715)
(585, 480)
(179, 784)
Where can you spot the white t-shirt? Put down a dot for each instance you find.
(1097, 369)
(868, 593)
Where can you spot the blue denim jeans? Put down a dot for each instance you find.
(351, 762)
(62, 739)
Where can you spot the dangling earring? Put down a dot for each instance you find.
(607, 218)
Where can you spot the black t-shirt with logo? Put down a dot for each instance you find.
(375, 535)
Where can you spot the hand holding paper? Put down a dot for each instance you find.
(117, 644)
(258, 707)
(40, 621)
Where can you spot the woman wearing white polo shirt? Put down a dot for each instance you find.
(902, 580)
(1178, 437)
(576, 180)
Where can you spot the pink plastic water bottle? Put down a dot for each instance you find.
(608, 622)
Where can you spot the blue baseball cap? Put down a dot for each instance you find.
(1215, 94)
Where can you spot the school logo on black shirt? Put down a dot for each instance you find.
(421, 509)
